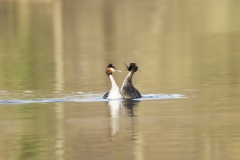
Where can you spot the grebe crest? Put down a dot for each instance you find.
(114, 92)
(128, 91)
(132, 67)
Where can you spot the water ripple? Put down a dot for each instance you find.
(86, 98)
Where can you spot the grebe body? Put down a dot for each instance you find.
(128, 91)
(114, 92)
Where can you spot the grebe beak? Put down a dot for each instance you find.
(117, 70)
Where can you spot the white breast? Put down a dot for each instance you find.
(114, 92)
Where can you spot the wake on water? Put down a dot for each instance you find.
(81, 97)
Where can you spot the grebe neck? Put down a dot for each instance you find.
(128, 79)
(114, 92)
(114, 85)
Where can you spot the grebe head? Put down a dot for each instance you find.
(110, 68)
(132, 67)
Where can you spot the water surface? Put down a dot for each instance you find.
(53, 56)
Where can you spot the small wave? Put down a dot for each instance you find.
(161, 96)
(87, 98)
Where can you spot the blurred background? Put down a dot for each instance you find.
(52, 47)
(73, 41)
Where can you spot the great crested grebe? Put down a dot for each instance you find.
(128, 91)
(114, 92)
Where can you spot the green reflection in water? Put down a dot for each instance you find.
(34, 139)
(26, 46)
(31, 147)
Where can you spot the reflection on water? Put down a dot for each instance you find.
(59, 74)
(126, 106)
(57, 51)
(115, 109)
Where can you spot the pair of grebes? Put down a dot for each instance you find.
(128, 91)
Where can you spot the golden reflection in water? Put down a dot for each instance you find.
(59, 73)
(59, 110)
(23, 19)
(138, 149)
(58, 44)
